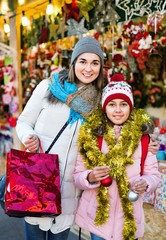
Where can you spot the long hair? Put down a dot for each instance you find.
(98, 82)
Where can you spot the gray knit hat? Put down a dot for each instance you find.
(87, 44)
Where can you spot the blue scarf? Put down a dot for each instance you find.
(62, 93)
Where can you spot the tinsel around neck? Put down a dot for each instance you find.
(117, 158)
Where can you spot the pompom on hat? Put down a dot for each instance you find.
(87, 44)
(117, 88)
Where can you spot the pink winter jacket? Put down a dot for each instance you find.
(112, 229)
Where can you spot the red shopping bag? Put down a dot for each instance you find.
(32, 184)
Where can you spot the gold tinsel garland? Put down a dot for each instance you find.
(118, 157)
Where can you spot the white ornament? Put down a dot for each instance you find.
(132, 196)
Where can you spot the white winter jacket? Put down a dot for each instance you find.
(44, 119)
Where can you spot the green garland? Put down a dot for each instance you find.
(118, 157)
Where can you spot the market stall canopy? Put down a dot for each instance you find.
(127, 9)
(12, 5)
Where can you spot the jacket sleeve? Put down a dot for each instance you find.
(27, 119)
(80, 176)
(151, 172)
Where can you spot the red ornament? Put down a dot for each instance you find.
(12, 121)
(44, 37)
(96, 36)
(72, 11)
(106, 182)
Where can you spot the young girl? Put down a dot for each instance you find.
(107, 212)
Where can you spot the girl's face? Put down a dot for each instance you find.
(117, 111)
(87, 68)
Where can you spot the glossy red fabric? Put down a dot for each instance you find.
(32, 184)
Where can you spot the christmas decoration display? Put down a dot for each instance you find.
(8, 91)
(30, 81)
(129, 46)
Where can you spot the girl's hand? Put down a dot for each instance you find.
(98, 174)
(32, 144)
(140, 186)
(153, 145)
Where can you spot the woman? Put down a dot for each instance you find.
(64, 97)
(107, 169)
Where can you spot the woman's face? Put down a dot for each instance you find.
(87, 68)
(117, 111)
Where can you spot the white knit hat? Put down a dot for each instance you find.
(117, 90)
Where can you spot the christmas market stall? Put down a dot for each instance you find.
(37, 39)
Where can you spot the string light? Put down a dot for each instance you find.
(24, 19)
(21, 2)
(6, 27)
(50, 8)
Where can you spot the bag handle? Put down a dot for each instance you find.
(57, 136)
(53, 142)
(25, 150)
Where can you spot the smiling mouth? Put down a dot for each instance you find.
(118, 117)
(87, 75)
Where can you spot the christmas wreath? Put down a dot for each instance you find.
(156, 96)
(140, 98)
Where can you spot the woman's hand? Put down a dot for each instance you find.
(32, 144)
(153, 145)
(98, 174)
(140, 186)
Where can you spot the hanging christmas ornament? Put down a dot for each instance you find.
(62, 26)
(13, 121)
(52, 28)
(111, 15)
(84, 8)
(44, 37)
(98, 18)
(104, 14)
(14, 107)
(132, 196)
(106, 182)
(7, 98)
(155, 63)
(75, 28)
(71, 10)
